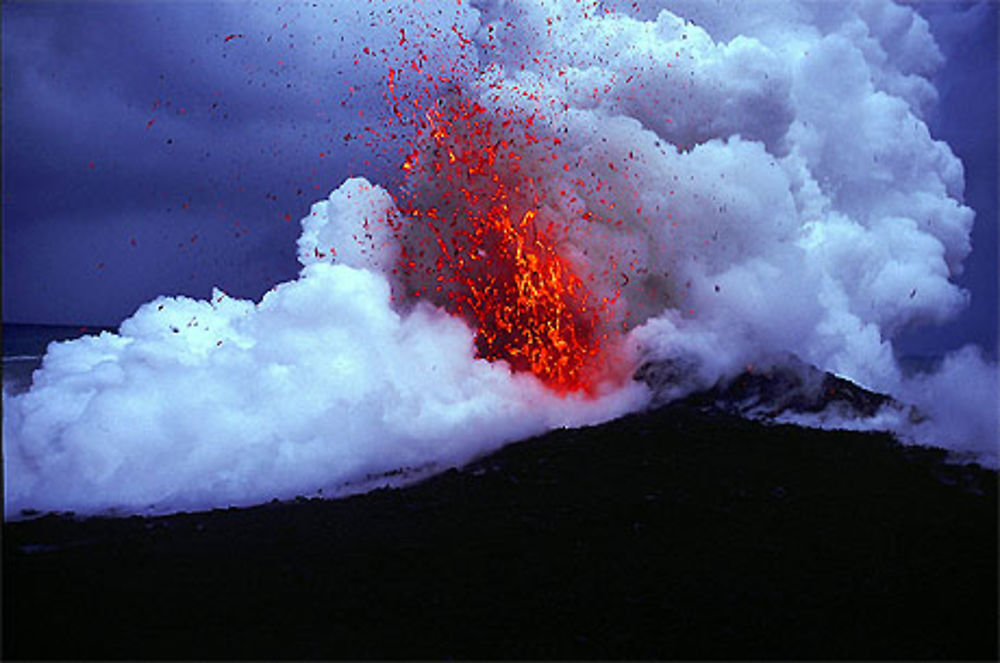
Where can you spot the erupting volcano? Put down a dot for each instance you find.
(527, 203)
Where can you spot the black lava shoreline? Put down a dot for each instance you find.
(674, 533)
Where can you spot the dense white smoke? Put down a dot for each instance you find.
(778, 191)
(197, 404)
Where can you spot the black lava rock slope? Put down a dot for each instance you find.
(675, 533)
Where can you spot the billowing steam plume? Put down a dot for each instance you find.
(581, 188)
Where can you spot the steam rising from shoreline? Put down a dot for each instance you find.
(197, 404)
(764, 181)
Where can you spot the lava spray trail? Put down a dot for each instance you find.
(472, 243)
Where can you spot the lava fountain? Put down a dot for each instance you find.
(475, 237)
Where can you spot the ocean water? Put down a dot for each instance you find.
(24, 346)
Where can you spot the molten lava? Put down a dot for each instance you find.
(473, 241)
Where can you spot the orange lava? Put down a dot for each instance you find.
(472, 240)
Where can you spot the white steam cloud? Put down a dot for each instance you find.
(778, 191)
(197, 404)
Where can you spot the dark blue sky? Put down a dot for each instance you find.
(146, 154)
(966, 118)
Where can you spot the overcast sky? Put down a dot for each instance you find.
(166, 148)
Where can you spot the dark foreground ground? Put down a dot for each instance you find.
(672, 534)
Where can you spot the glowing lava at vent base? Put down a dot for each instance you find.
(470, 241)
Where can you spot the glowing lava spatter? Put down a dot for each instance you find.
(473, 241)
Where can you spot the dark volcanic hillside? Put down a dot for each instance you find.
(670, 534)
